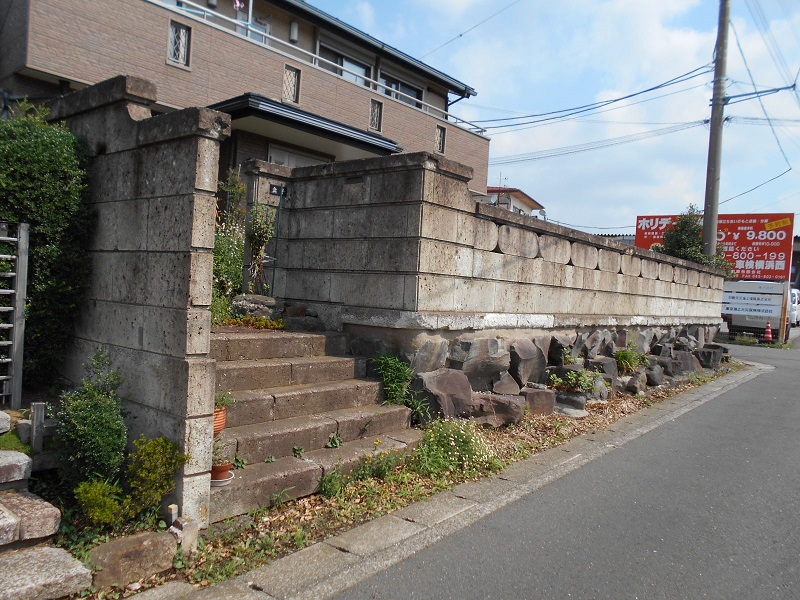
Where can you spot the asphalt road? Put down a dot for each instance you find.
(704, 506)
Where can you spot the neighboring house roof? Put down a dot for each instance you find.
(318, 17)
(517, 194)
(252, 104)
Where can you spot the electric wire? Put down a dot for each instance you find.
(571, 118)
(595, 145)
(774, 50)
(463, 33)
(594, 105)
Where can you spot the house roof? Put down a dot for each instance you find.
(516, 193)
(252, 104)
(318, 17)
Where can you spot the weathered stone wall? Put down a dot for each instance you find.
(152, 185)
(397, 250)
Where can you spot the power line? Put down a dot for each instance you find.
(760, 101)
(463, 33)
(557, 114)
(596, 145)
(758, 186)
(571, 118)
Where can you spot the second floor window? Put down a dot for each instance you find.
(409, 92)
(355, 71)
(375, 115)
(179, 43)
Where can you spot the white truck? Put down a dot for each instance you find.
(747, 307)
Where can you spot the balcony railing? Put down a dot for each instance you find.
(252, 32)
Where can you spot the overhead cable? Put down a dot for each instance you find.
(596, 145)
(463, 33)
(557, 114)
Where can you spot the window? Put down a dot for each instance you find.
(179, 43)
(281, 155)
(356, 72)
(439, 139)
(258, 31)
(291, 84)
(393, 85)
(375, 114)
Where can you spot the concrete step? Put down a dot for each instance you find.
(25, 517)
(237, 375)
(312, 432)
(261, 485)
(41, 574)
(257, 406)
(253, 345)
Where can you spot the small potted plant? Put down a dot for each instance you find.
(221, 463)
(222, 401)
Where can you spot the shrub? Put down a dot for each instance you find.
(574, 381)
(453, 448)
(151, 473)
(91, 434)
(261, 228)
(629, 358)
(397, 377)
(100, 502)
(228, 257)
(42, 182)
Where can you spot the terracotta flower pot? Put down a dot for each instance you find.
(220, 419)
(220, 472)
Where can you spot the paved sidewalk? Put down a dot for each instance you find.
(329, 567)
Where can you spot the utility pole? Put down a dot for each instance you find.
(718, 101)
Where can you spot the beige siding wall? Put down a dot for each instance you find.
(93, 41)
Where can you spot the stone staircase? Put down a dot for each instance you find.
(303, 408)
(29, 568)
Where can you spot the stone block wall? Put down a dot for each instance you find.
(398, 246)
(152, 184)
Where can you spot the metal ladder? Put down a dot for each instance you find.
(13, 284)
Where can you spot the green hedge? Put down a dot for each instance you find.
(42, 182)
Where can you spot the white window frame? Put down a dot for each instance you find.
(341, 60)
(375, 108)
(257, 31)
(293, 98)
(175, 55)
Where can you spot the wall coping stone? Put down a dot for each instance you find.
(255, 166)
(198, 121)
(122, 88)
(503, 216)
(404, 161)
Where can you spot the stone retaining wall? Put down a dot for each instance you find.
(397, 251)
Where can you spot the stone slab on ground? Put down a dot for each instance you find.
(9, 526)
(14, 466)
(5, 422)
(127, 559)
(37, 518)
(60, 574)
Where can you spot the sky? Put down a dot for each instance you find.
(529, 57)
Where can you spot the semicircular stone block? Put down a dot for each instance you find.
(554, 249)
(518, 242)
(485, 235)
(583, 256)
(608, 260)
(631, 265)
(649, 269)
(666, 272)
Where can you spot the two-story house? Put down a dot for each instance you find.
(301, 86)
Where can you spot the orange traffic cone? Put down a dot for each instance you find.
(768, 332)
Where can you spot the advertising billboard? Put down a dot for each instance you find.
(758, 245)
